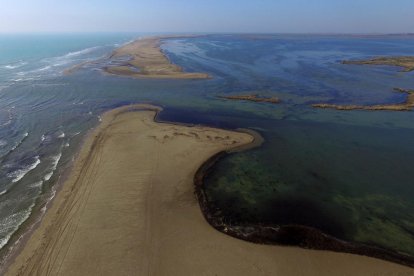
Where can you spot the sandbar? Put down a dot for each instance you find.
(406, 62)
(129, 208)
(407, 105)
(252, 98)
(147, 60)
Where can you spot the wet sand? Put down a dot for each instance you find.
(146, 60)
(129, 208)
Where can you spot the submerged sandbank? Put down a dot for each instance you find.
(129, 208)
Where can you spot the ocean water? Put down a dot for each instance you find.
(346, 173)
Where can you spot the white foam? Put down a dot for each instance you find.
(36, 184)
(43, 68)
(81, 52)
(8, 122)
(61, 135)
(20, 142)
(3, 142)
(15, 65)
(48, 176)
(3, 192)
(55, 163)
(19, 174)
(9, 117)
(12, 223)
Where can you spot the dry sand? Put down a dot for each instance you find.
(148, 61)
(128, 208)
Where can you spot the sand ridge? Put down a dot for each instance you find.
(129, 208)
(407, 105)
(147, 60)
(405, 62)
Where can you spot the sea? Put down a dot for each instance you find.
(347, 173)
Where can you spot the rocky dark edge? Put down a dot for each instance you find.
(287, 235)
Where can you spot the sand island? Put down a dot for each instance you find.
(145, 59)
(128, 208)
(406, 62)
(252, 98)
(407, 105)
(142, 58)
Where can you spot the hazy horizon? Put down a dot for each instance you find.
(197, 16)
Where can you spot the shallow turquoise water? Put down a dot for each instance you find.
(346, 173)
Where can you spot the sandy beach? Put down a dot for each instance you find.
(129, 208)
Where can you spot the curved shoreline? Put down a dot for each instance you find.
(202, 241)
(290, 235)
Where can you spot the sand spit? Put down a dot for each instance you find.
(129, 208)
(146, 60)
(408, 105)
(406, 62)
(252, 98)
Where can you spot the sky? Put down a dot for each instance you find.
(211, 16)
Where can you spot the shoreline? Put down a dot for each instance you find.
(407, 105)
(146, 59)
(404, 62)
(19, 239)
(84, 157)
(252, 98)
(287, 235)
(142, 58)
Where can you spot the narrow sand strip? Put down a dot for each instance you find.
(129, 208)
(147, 60)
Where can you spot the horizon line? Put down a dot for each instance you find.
(210, 33)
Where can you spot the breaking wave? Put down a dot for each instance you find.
(55, 162)
(12, 223)
(20, 173)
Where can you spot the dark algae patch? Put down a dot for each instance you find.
(298, 196)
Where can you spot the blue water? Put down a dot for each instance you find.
(341, 168)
